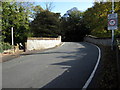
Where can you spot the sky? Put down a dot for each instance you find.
(62, 7)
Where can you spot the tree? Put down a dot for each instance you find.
(49, 6)
(46, 24)
(36, 9)
(16, 15)
(73, 27)
(96, 18)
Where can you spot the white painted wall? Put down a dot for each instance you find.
(40, 43)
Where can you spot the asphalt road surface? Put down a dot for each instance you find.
(67, 66)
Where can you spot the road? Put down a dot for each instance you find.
(68, 66)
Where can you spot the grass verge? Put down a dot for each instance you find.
(4, 46)
(107, 73)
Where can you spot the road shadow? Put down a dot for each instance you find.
(78, 69)
(43, 52)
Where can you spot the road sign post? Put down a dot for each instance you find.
(112, 23)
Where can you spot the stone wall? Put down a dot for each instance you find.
(99, 41)
(42, 43)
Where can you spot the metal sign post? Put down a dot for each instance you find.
(112, 23)
(113, 29)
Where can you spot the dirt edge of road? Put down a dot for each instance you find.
(8, 57)
(107, 73)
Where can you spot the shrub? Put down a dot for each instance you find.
(4, 46)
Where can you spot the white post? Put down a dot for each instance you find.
(12, 36)
(112, 6)
(112, 38)
(112, 43)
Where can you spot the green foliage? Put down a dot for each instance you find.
(73, 27)
(96, 18)
(36, 9)
(46, 24)
(16, 15)
(4, 46)
(49, 24)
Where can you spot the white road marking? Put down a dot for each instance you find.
(93, 73)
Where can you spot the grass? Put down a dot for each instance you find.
(4, 46)
(109, 77)
(107, 73)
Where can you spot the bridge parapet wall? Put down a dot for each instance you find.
(34, 43)
(99, 41)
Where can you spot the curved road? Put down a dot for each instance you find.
(68, 66)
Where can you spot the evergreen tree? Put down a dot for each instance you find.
(73, 27)
(46, 24)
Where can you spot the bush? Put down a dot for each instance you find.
(4, 46)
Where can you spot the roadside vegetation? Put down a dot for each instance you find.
(28, 20)
(107, 75)
(96, 19)
(16, 15)
(4, 46)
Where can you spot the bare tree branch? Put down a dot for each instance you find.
(49, 6)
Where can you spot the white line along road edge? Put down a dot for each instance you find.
(95, 68)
